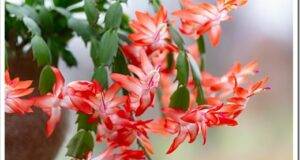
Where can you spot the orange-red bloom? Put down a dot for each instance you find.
(141, 89)
(226, 98)
(132, 53)
(14, 91)
(99, 103)
(151, 32)
(198, 19)
(118, 129)
(124, 131)
(175, 125)
(223, 86)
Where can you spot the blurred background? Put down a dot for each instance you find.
(262, 31)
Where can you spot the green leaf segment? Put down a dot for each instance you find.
(47, 80)
(80, 144)
(41, 52)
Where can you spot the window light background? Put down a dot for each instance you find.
(262, 31)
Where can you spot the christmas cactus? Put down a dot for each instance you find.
(139, 63)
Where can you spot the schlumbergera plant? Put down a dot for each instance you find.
(139, 64)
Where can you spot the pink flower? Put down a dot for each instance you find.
(141, 89)
(205, 18)
(14, 91)
(151, 32)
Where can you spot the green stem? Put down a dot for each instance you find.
(202, 50)
(200, 98)
(156, 4)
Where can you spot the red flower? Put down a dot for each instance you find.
(122, 136)
(52, 102)
(90, 98)
(208, 116)
(132, 53)
(223, 86)
(14, 91)
(175, 125)
(124, 154)
(141, 89)
(124, 132)
(237, 103)
(225, 100)
(78, 94)
(118, 127)
(191, 123)
(151, 32)
(205, 18)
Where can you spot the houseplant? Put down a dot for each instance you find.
(135, 61)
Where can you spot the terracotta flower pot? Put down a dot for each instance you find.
(25, 134)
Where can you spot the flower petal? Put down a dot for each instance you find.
(177, 141)
(47, 103)
(59, 81)
(54, 119)
(214, 35)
